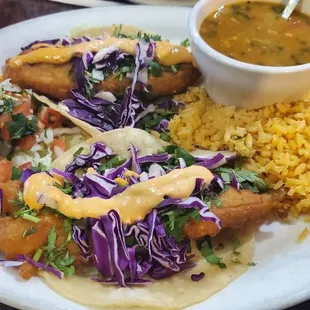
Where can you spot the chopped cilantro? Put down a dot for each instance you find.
(152, 120)
(185, 43)
(179, 152)
(21, 126)
(145, 37)
(164, 136)
(66, 188)
(125, 66)
(154, 37)
(51, 239)
(41, 167)
(31, 218)
(59, 258)
(174, 69)
(175, 219)
(210, 198)
(29, 231)
(67, 225)
(78, 152)
(23, 210)
(115, 161)
(251, 264)
(218, 202)
(248, 179)
(37, 255)
(8, 105)
(155, 68)
(16, 173)
(210, 256)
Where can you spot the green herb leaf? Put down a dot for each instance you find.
(251, 264)
(210, 256)
(31, 218)
(185, 43)
(22, 126)
(146, 37)
(114, 162)
(69, 271)
(222, 265)
(155, 68)
(164, 136)
(179, 152)
(51, 240)
(29, 231)
(68, 225)
(23, 210)
(78, 152)
(174, 69)
(37, 255)
(175, 219)
(66, 188)
(16, 174)
(248, 179)
(8, 105)
(59, 258)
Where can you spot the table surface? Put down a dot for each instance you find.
(13, 11)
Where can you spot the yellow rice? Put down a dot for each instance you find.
(275, 140)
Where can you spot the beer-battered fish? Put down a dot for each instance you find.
(10, 190)
(56, 81)
(51, 69)
(13, 242)
(236, 209)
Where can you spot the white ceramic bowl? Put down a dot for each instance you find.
(232, 82)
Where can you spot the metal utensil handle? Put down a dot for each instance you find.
(290, 7)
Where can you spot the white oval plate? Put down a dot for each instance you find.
(166, 2)
(96, 3)
(88, 3)
(280, 278)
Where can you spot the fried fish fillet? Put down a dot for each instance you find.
(13, 242)
(10, 190)
(56, 81)
(236, 209)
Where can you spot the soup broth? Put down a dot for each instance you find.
(254, 32)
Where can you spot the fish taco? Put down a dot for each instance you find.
(107, 78)
(127, 220)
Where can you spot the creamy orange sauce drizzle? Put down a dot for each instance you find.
(132, 205)
(165, 53)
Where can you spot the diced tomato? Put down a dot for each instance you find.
(4, 118)
(5, 170)
(4, 132)
(59, 143)
(25, 166)
(27, 142)
(50, 117)
(23, 108)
